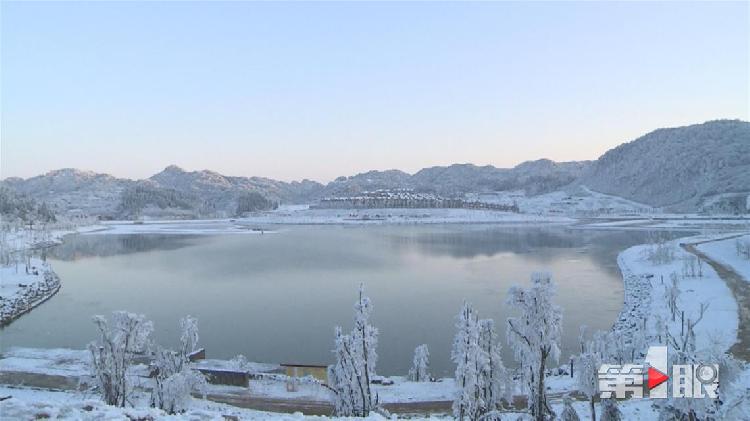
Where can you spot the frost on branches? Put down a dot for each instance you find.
(420, 370)
(480, 374)
(356, 356)
(120, 340)
(492, 374)
(175, 380)
(535, 337)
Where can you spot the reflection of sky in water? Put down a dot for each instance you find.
(277, 297)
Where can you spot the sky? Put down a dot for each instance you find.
(318, 90)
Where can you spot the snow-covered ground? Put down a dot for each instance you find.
(645, 285)
(187, 227)
(26, 282)
(304, 215)
(23, 286)
(25, 239)
(725, 251)
(29, 404)
(578, 201)
(727, 223)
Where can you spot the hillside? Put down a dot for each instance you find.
(682, 168)
(693, 168)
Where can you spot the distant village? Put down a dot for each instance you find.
(406, 198)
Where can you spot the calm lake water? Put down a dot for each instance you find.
(277, 297)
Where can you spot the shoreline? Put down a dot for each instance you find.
(26, 291)
(30, 296)
(644, 283)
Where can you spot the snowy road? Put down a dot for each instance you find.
(740, 290)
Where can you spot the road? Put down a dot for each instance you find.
(740, 288)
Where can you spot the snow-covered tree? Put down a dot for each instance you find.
(672, 294)
(660, 252)
(569, 413)
(356, 356)
(610, 411)
(239, 362)
(188, 335)
(466, 354)
(420, 369)
(173, 377)
(586, 374)
(120, 339)
(732, 390)
(492, 374)
(535, 337)
(692, 267)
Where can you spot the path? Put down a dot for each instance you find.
(740, 289)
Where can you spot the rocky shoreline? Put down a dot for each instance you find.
(41, 284)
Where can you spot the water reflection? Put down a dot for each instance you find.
(277, 297)
(82, 246)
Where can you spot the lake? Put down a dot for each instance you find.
(277, 297)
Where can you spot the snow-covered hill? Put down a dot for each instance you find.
(700, 167)
(683, 168)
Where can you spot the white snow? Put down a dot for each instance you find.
(23, 286)
(187, 227)
(721, 319)
(725, 252)
(302, 215)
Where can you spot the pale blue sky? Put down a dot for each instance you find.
(317, 90)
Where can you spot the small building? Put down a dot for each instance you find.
(319, 372)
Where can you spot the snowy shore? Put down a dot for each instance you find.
(646, 282)
(21, 291)
(27, 282)
(644, 313)
(303, 215)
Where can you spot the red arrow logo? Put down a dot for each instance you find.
(655, 378)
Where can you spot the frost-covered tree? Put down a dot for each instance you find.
(672, 294)
(692, 267)
(480, 374)
(587, 363)
(173, 377)
(188, 335)
(660, 252)
(492, 374)
(466, 354)
(569, 413)
(356, 356)
(610, 411)
(120, 340)
(683, 350)
(420, 369)
(535, 337)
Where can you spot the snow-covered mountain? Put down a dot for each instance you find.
(534, 177)
(70, 190)
(685, 169)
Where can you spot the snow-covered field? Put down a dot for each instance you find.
(25, 239)
(725, 251)
(29, 404)
(187, 227)
(304, 215)
(645, 286)
(24, 285)
(578, 201)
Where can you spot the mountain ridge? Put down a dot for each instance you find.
(682, 168)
